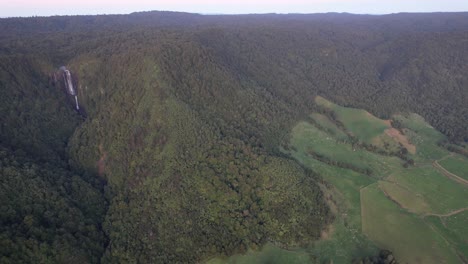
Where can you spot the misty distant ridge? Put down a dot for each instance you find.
(237, 14)
(440, 21)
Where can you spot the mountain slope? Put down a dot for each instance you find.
(185, 115)
(50, 212)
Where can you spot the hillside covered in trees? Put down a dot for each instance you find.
(178, 156)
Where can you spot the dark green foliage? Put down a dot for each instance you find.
(324, 159)
(48, 214)
(34, 117)
(185, 183)
(384, 257)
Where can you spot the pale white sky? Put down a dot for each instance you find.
(9, 8)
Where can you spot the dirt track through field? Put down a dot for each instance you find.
(449, 174)
(449, 214)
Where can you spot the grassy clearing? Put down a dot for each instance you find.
(417, 124)
(441, 194)
(457, 165)
(405, 198)
(392, 210)
(386, 142)
(307, 137)
(347, 184)
(410, 239)
(365, 127)
(347, 241)
(360, 123)
(454, 229)
(399, 201)
(344, 246)
(424, 136)
(427, 149)
(326, 123)
(319, 100)
(458, 226)
(399, 139)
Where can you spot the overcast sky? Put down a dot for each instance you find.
(9, 8)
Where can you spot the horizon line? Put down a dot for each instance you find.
(232, 14)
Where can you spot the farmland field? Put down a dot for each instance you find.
(357, 121)
(328, 125)
(380, 201)
(308, 139)
(457, 165)
(406, 198)
(453, 228)
(393, 207)
(441, 194)
(411, 240)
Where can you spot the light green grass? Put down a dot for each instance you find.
(307, 137)
(365, 216)
(457, 165)
(426, 147)
(344, 246)
(386, 143)
(347, 241)
(440, 193)
(419, 190)
(423, 136)
(406, 235)
(326, 123)
(454, 229)
(417, 124)
(406, 198)
(359, 122)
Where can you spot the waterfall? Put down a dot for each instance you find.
(76, 101)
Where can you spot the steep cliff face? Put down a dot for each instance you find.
(68, 83)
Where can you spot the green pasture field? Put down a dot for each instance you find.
(441, 194)
(424, 136)
(426, 147)
(405, 210)
(417, 124)
(326, 123)
(359, 122)
(307, 137)
(454, 229)
(457, 165)
(407, 199)
(405, 234)
(346, 241)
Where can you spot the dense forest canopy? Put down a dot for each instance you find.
(177, 158)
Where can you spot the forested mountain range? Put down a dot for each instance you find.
(177, 158)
